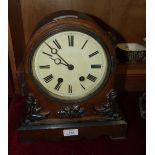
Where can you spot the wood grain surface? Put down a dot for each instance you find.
(127, 17)
(13, 69)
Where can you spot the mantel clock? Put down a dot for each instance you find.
(69, 68)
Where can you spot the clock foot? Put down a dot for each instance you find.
(110, 108)
(33, 111)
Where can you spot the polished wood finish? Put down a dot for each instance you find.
(13, 68)
(16, 43)
(129, 69)
(16, 30)
(126, 17)
(131, 77)
(10, 84)
(46, 102)
(112, 129)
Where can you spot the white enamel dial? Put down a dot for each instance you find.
(70, 65)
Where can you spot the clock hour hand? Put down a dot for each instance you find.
(58, 61)
(55, 51)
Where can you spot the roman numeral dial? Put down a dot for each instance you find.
(71, 40)
(44, 67)
(93, 54)
(84, 44)
(82, 86)
(91, 78)
(70, 65)
(70, 89)
(96, 66)
(58, 85)
(57, 44)
(48, 78)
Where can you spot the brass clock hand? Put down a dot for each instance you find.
(55, 51)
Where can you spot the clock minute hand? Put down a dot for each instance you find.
(56, 61)
(48, 54)
(70, 66)
(55, 51)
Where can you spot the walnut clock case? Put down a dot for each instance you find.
(69, 69)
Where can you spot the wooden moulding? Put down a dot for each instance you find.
(131, 77)
(13, 65)
(137, 69)
(89, 129)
